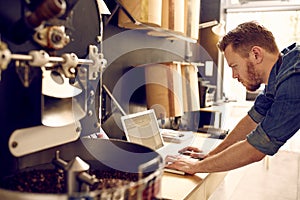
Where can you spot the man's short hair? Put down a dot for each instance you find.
(247, 35)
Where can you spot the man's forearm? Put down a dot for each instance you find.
(241, 130)
(235, 156)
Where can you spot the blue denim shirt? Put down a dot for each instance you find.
(277, 109)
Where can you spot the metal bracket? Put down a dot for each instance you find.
(70, 64)
(99, 63)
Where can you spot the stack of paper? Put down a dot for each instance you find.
(173, 136)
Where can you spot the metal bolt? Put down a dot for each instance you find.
(99, 39)
(40, 36)
(97, 125)
(72, 70)
(56, 38)
(95, 74)
(78, 129)
(92, 93)
(14, 144)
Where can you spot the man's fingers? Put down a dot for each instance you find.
(171, 158)
(188, 150)
(199, 156)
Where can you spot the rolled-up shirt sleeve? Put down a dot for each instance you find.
(255, 116)
(261, 141)
(280, 122)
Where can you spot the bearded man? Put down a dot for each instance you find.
(252, 53)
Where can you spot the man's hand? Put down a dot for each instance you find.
(182, 163)
(193, 152)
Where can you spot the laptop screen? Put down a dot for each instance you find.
(142, 128)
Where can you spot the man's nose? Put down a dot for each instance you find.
(234, 74)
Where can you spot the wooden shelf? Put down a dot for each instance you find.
(153, 31)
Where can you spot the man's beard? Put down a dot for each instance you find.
(253, 78)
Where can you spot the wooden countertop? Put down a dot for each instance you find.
(198, 186)
(176, 186)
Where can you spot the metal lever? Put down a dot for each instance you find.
(75, 170)
(42, 59)
(114, 100)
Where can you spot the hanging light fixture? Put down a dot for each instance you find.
(218, 28)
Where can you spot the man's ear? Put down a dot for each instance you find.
(256, 54)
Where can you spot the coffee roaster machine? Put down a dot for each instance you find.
(51, 64)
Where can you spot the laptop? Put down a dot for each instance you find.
(142, 128)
